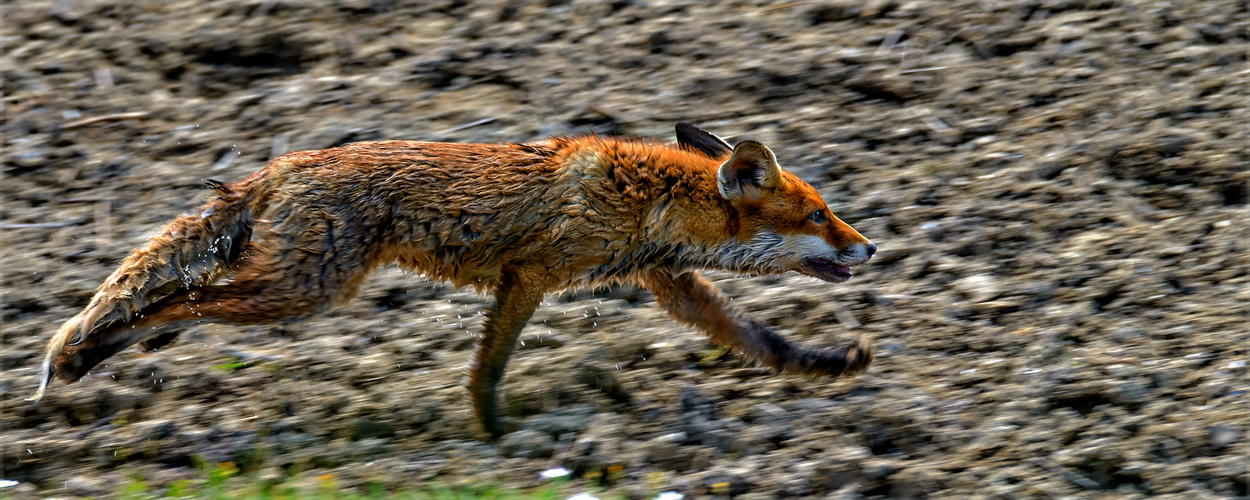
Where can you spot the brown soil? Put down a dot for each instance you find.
(1058, 188)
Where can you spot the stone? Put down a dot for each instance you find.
(157, 430)
(527, 444)
(1222, 436)
(366, 429)
(978, 288)
(562, 421)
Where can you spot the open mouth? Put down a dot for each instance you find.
(826, 270)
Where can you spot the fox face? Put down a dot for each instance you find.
(782, 223)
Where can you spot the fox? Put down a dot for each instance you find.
(515, 220)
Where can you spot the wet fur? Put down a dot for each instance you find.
(517, 220)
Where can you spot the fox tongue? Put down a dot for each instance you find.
(826, 267)
(841, 270)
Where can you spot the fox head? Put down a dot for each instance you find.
(780, 223)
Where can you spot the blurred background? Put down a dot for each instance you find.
(1058, 189)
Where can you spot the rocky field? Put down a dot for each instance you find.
(1058, 188)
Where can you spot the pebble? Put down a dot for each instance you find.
(527, 444)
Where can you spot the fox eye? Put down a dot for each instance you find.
(817, 217)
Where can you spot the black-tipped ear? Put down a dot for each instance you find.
(216, 185)
(752, 168)
(701, 140)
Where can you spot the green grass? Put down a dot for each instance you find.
(232, 363)
(225, 482)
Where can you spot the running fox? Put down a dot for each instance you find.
(517, 220)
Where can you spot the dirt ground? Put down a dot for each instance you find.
(1058, 188)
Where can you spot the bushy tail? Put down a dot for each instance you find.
(193, 250)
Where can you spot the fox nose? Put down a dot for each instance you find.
(872, 248)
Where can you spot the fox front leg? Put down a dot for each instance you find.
(693, 300)
(516, 298)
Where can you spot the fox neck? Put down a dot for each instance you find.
(701, 229)
(685, 224)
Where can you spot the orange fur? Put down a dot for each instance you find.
(517, 220)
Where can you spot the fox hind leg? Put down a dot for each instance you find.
(76, 359)
(269, 286)
(158, 341)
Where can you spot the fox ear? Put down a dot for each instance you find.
(750, 169)
(701, 140)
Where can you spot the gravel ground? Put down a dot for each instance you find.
(1058, 188)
